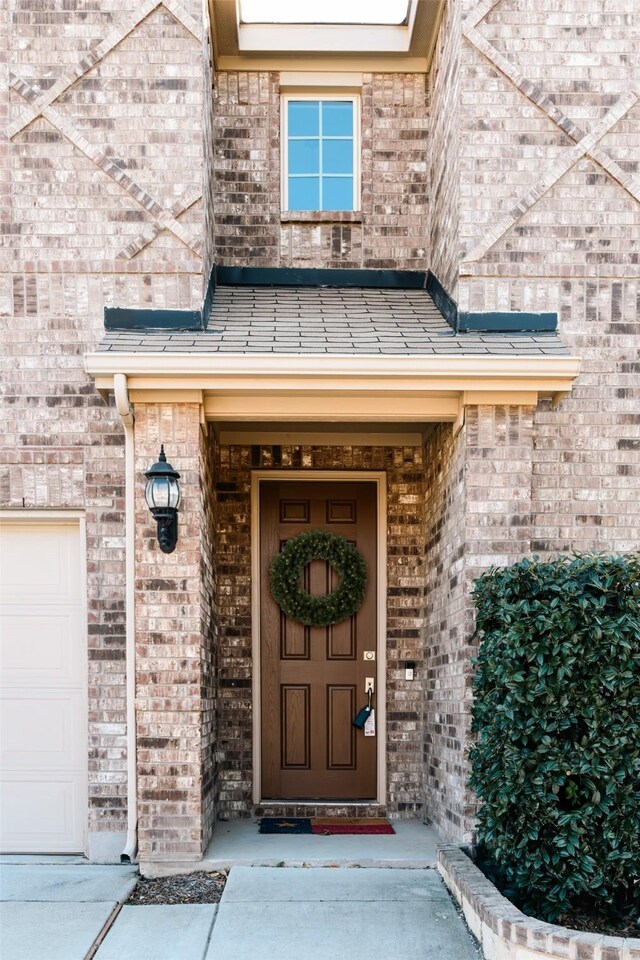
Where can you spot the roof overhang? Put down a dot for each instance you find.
(273, 46)
(275, 388)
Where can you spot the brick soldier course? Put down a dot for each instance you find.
(510, 170)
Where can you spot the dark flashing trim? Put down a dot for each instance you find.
(445, 304)
(208, 297)
(508, 321)
(308, 277)
(489, 321)
(132, 318)
(462, 321)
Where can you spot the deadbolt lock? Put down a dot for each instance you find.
(369, 655)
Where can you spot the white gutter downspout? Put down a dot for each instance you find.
(123, 407)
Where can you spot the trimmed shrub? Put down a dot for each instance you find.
(556, 711)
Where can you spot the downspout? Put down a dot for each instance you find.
(123, 407)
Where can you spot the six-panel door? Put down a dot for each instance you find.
(313, 678)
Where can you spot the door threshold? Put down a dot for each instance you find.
(319, 803)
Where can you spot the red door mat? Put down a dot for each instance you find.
(330, 826)
(326, 826)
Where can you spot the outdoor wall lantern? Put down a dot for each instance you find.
(162, 494)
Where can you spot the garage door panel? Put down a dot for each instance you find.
(40, 563)
(43, 731)
(42, 651)
(43, 713)
(40, 814)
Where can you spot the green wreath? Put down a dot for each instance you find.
(285, 573)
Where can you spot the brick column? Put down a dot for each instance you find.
(173, 644)
(498, 474)
(478, 502)
(498, 517)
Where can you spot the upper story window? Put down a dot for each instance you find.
(320, 159)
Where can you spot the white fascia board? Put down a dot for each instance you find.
(349, 366)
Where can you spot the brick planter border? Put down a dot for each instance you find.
(506, 933)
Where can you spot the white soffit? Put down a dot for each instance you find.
(411, 40)
(337, 388)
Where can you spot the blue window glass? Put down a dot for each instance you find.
(304, 193)
(337, 118)
(304, 118)
(304, 156)
(319, 154)
(337, 193)
(337, 156)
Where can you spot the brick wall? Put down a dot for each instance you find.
(175, 668)
(444, 152)
(446, 623)
(478, 504)
(102, 204)
(392, 230)
(539, 232)
(405, 612)
(208, 146)
(544, 229)
(209, 639)
(82, 186)
(572, 246)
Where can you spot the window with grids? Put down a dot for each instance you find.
(319, 159)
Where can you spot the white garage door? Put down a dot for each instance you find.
(43, 723)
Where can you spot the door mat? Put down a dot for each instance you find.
(326, 826)
(285, 825)
(333, 826)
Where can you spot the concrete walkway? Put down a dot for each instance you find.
(337, 914)
(238, 843)
(69, 911)
(56, 910)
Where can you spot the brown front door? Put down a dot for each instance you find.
(313, 678)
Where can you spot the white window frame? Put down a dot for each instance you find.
(323, 95)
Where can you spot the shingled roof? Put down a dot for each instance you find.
(317, 320)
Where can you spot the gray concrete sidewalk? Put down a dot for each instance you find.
(58, 910)
(157, 932)
(332, 914)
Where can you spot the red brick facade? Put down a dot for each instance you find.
(480, 171)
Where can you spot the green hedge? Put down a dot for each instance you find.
(556, 711)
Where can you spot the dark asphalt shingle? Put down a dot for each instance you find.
(329, 320)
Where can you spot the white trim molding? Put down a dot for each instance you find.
(41, 515)
(321, 95)
(379, 478)
(443, 366)
(326, 81)
(334, 388)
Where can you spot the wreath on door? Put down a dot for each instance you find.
(285, 575)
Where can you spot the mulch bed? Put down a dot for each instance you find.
(594, 923)
(185, 888)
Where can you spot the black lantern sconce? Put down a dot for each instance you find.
(162, 494)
